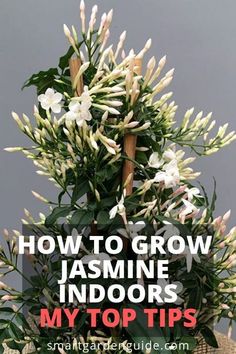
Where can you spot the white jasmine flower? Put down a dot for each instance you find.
(189, 258)
(118, 209)
(155, 161)
(98, 257)
(188, 210)
(79, 111)
(170, 176)
(132, 229)
(169, 155)
(179, 288)
(51, 100)
(168, 231)
(192, 192)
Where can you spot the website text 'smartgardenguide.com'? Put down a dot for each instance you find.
(129, 347)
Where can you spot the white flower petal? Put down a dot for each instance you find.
(57, 97)
(45, 105)
(50, 92)
(87, 259)
(56, 108)
(74, 106)
(179, 287)
(104, 257)
(113, 212)
(41, 97)
(155, 161)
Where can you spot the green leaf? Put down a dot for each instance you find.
(103, 219)
(209, 337)
(79, 190)
(195, 298)
(58, 212)
(214, 197)
(82, 217)
(60, 196)
(21, 321)
(64, 60)
(108, 202)
(15, 331)
(141, 157)
(4, 334)
(42, 80)
(139, 331)
(6, 310)
(15, 346)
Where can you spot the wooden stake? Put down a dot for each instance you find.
(130, 142)
(75, 65)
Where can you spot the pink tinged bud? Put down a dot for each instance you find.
(217, 221)
(123, 55)
(232, 258)
(103, 21)
(222, 245)
(120, 44)
(3, 286)
(110, 16)
(15, 308)
(227, 216)
(222, 230)
(82, 5)
(123, 36)
(225, 307)
(179, 190)
(8, 298)
(93, 18)
(82, 15)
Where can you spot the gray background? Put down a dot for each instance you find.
(199, 38)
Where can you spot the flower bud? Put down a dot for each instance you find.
(18, 121)
(82, 15)
(8, 298)
(66, 31)
(13, 149)
(226, 216)
(3, 286)
(6, 235)
(39, 197)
